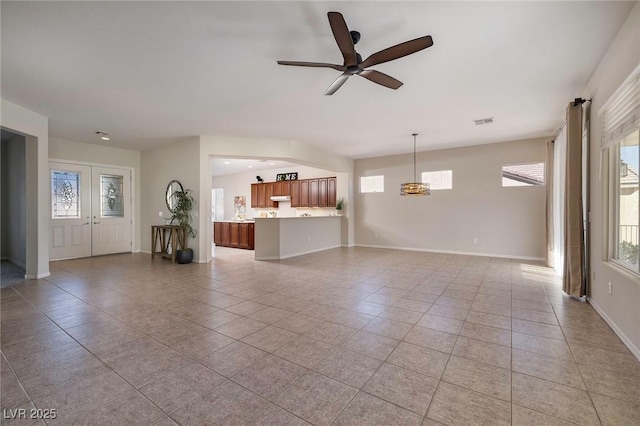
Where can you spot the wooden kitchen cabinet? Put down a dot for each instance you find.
(332, 190)
(226, 234)
(313, 193)
(295, 193)
(304, 193)
(282, 188)
(217, 233)
(254, 195)
(261, 195)
(246, 234)
(322, 192)
(236, 235)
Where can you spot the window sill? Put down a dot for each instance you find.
(622, 268)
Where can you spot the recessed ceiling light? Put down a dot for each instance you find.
(251, 167)
(226, 162)
(271, 164)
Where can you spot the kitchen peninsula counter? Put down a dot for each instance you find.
(285, 237)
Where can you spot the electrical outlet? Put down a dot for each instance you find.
(475, 241)
(610, 289)
(160, 214)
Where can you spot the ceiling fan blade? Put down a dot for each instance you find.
(380, 78)
(343, 38)
(397, 51)
(337, 84)
(313, 64)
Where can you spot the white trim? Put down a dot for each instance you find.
(132, 200)
(627, 342)
(37, 276)
(620, 88)
(504, 256)
(296, 254)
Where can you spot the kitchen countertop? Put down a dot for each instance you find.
(295, 217)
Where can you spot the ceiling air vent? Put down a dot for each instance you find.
(483, 121)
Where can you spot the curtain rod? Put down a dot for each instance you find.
(576, 102)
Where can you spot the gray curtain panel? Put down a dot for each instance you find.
(573, 276)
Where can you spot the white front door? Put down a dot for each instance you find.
(90, 211)
(111, 210)
(70, 228)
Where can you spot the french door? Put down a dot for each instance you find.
(90, 211)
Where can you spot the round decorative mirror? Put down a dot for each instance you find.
(173, 186)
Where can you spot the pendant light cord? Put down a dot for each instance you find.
(414, 157)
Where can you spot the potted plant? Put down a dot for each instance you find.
(182, 218)
(340, 205)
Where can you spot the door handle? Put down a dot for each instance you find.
(95, 223)
(86, 223)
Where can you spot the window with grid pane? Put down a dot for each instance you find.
(621, 136)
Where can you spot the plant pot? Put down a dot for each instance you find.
(184, 256)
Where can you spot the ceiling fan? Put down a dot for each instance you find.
(353, 63)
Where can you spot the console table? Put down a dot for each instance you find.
(167, 236)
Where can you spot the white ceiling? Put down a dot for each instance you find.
(153, 72)
(230, 166)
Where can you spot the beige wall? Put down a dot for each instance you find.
(621, 309)
(35, 128)
(159, 166)
(507, 222)
(91, 154)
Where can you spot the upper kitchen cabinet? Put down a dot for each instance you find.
(261, 195)
(322, 192)
(295, 193)
(332, 190)
(254, 195)
(304, 194)
(318, 192)
(282, 188)
(313, 193)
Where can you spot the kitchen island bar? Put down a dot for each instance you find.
(281, 238)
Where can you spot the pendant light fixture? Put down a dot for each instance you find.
(414, 188)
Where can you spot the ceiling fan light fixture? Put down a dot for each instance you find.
(414, 188)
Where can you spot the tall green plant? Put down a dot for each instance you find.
(182, 211)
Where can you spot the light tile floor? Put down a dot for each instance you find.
(347, 337)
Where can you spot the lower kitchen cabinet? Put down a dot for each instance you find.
(234, 234)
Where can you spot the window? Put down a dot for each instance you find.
(112, 202)
(531, 174)
(371, 184)
(441, 179)
(626, 217)
(65, 195)
(621, 136)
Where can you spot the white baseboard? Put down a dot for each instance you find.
(302, 253)
(37, 276)
(504, 256)
(145, 251)
(628, 343)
